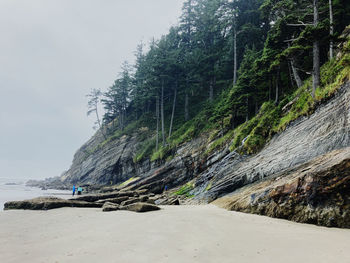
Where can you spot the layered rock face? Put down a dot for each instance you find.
(316, 192)
(326, 130)
(103, 164)
(112, 163)
(223, 172)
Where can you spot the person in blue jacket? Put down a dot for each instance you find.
(73, 190)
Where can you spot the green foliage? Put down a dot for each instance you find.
(130, 180)
(242, 132)
(198, 55)
(192, 128)
(267, 118)
(169, 158)
(219, 143)
(160, 154)
(252, 135)
(208, 186)
(271, 118)
(185, 190)
(302, 106)
(145, 149)
(333, 75)
(118, 133)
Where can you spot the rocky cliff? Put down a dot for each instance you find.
(301, 174)
(113, 163)
(316, 192)
(325, 130)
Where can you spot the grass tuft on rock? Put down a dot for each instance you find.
(185, 190)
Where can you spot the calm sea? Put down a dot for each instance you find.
(15, 190)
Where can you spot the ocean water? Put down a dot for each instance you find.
(15, 190)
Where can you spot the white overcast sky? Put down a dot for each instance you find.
(52, 53)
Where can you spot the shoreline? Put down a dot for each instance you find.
(19, 192)
(174, 234)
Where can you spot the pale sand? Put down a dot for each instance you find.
(174, 234)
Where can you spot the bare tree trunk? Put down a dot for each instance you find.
(291, 78)
(331, 30)
(247, 113)
(162, 113)
(270, 89)
(316, 53)
(234, 53)
(222, 127)
(157, 114)
(186, 107)
(99, 123)
(295, 73)
(148, 106)
(173, 111)
(277, 87)
(98, 118)
(211, 90)
(121, 120)
(233, 119)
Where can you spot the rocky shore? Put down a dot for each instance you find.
(317, 192)
(301, 174)
(137, 201)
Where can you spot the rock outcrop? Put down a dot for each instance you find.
(46, 203)
(101, 163)
(122, 200)
(106, 162)
(326, 130)
(316, 192)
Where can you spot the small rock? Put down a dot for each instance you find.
(142, 191)
(130, 201)
(108, 206)
(174, 202)
(143, 198)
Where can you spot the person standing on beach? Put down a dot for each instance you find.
(73, 190)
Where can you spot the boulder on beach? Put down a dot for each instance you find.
(108, 207)
(130, 201)
(140, 207)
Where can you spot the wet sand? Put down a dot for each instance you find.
(173, 234)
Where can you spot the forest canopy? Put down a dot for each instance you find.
(220, 64)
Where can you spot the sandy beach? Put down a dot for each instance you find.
(173, 234)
